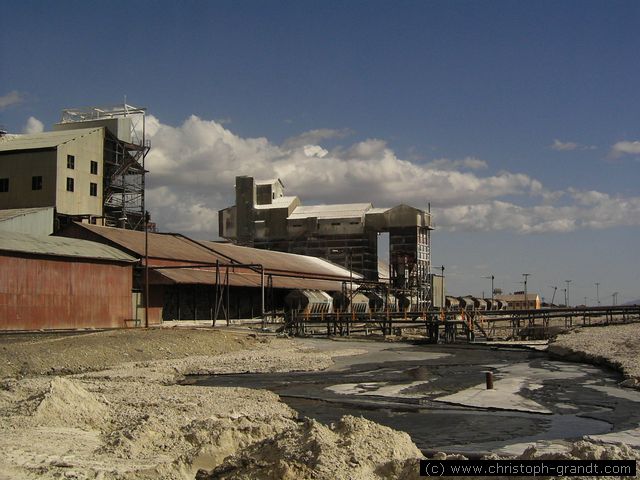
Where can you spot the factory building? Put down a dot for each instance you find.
(62, 283)
(91, 166)
(202, 280)
(346, 234)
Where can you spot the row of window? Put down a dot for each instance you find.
(36, 184)
(71, 164)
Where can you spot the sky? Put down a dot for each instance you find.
(517, 121)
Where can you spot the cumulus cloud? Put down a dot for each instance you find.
(314, 136)
(193, 168)
(12, 98)
(467, 162)
(33, 125)
(569, 146)
(624, 148)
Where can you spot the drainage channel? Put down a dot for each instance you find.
(439, 398)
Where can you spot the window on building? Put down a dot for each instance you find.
(4, 184)
(94, 167)
(69, 184)
(93, 189)
(71, 162)
(36, 183)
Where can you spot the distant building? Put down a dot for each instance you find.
(516, 301)
(347, 234)
(89, 168)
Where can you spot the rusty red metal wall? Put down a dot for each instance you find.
(47, 293)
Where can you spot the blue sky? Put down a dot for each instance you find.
(518, 121)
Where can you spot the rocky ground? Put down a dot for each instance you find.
(119, 412)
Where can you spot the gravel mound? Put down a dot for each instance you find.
(67, 404)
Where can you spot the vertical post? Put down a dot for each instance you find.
(525, 275)
(350, 252)
(597, 294)
(492, 277)
(262, 289)
(567, 292)
(442, 288)
(146, 265)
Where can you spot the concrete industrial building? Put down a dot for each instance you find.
(345, 234)
(90, 167)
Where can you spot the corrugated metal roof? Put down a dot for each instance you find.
(287, 268)
(280, 202)
(279, 261)
(378, 210)
(243, 278)
(44, 139)
(18, 212)
(60, 246)
(346, 210)
(269, 181)
(166, 246)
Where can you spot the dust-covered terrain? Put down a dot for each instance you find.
(125, 416)
(615, 346)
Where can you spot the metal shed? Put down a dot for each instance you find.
(59, 283)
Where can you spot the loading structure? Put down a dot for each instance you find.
(345, 234)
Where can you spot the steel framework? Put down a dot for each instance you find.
(124, 162)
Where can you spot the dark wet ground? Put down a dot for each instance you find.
(565, 390)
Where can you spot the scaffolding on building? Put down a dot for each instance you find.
(124, 160)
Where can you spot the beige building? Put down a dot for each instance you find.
(516, 301)
(54, 169)
(90, 168)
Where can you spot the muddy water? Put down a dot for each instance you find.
(435, 393)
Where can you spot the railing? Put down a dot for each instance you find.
(448, 324)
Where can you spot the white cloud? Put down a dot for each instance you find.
(471, 163)
(33, 125)
(569, 146)
(625, 148)
(314, 136)
(12, 98)
(193, 169)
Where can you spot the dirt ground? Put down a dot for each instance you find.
(66, 353)
(119, 413)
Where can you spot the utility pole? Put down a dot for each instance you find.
(567, 296)
(491, 277)
(555, 288)
(442, 287)
(525, 275)
(614, 298)
(598, 293)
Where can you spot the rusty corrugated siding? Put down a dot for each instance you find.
(38, 293)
